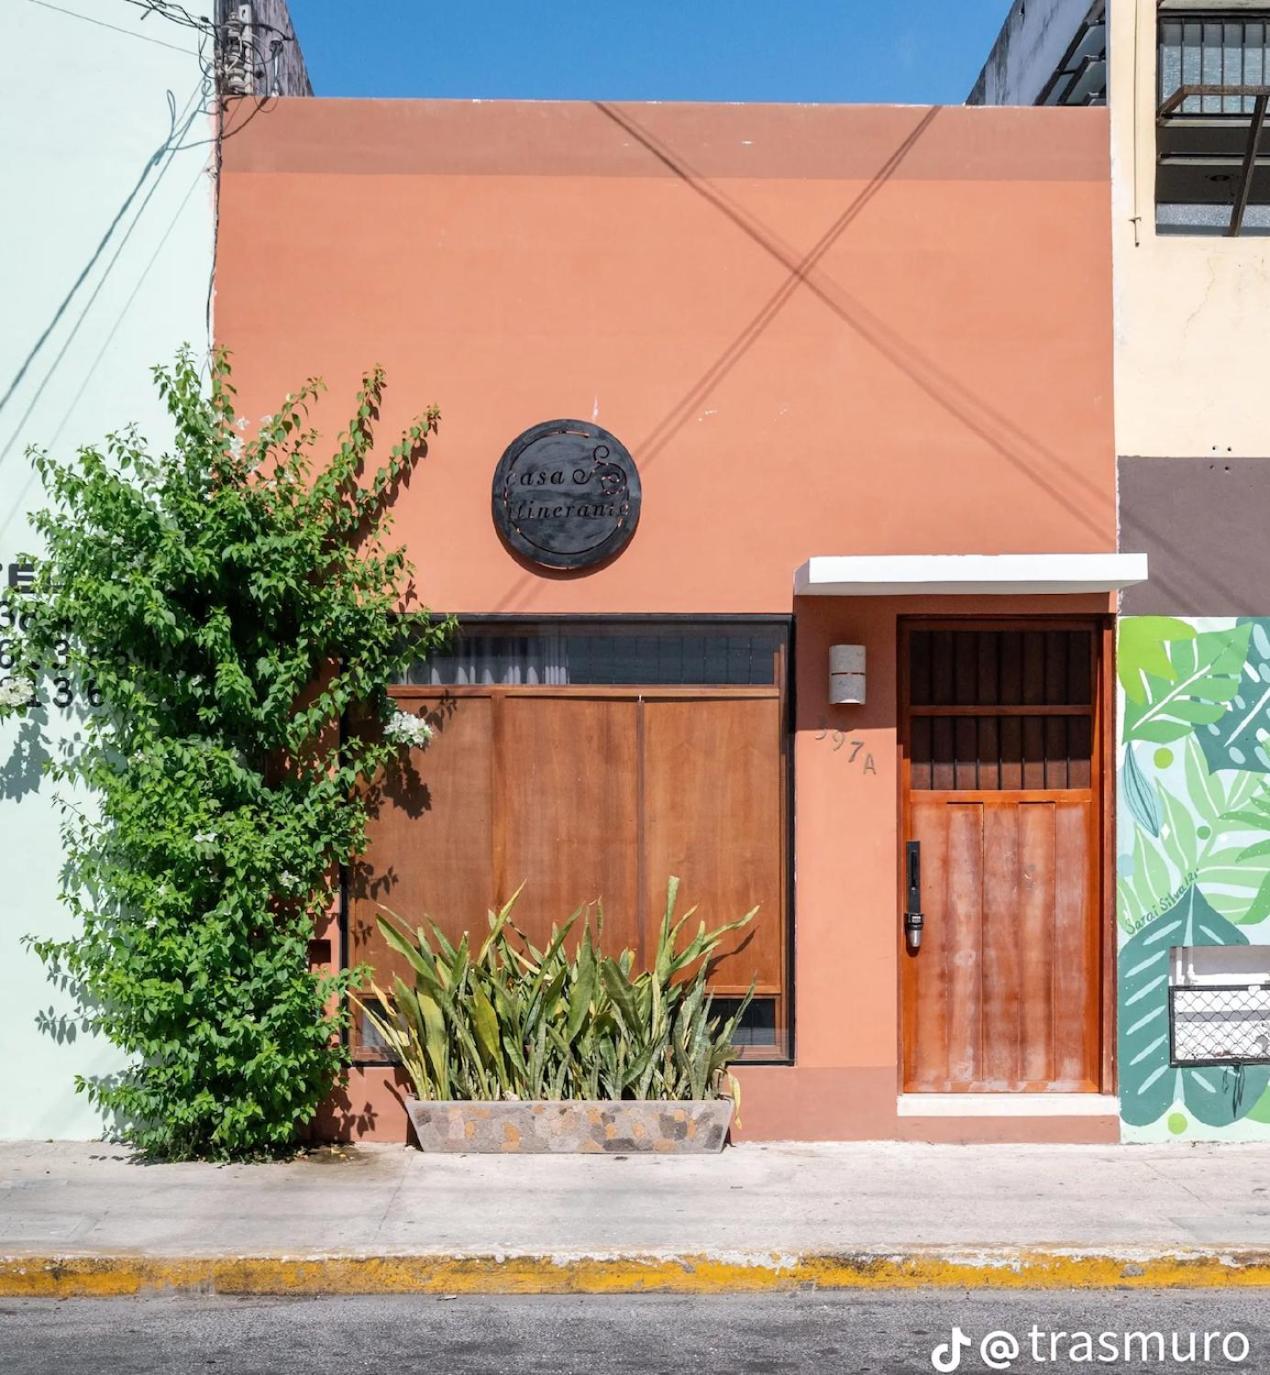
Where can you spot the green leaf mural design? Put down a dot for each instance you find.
(1138, 794)
(1217, 836)
(1260, 1110)
(1256, 815)
(1140, 652)
(1203, 675)
(1179, 836)
(1240, 738)
(1232, 859)
(1149, 1085)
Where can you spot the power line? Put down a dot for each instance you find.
(101, 24)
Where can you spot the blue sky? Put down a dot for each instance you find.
(907, 51)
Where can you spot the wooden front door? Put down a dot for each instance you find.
(1002, 791)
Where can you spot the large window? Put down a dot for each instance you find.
(1214, 88)
(587, 654)
(590, 760)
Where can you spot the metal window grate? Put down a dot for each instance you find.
(612, 654)
(1000, 709)
(757, 1028)
(1219, 1024)
(1211, 173)
(1213, 53)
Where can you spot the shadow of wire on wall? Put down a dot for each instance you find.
(201, 106)
(1034, 460)
(197, 105)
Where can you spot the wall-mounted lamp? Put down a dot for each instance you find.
(846, 674)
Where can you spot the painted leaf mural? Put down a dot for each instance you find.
(1214, 831)
(1139, 795)
(1194, 862)
(1240, 738)
(1204, 675)
(1257, 816)
(1141, 652)
(1149, 1085)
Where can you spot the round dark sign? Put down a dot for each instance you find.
(566, 494)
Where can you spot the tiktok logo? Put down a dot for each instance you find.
(948, 1355)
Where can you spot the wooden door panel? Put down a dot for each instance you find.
(1076, 981)
(1035, 933)
(1002, 1005)
(429, 829)
(429, 835)
(1005, 988)
(713, 789)
(962, 916)
(1002, 791)
(929, 1012)
(568, 814)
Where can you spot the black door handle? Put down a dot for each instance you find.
(913, 918)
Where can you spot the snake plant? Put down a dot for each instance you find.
(510, 1021)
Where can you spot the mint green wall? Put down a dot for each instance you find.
(106, 250)
(1193, 836)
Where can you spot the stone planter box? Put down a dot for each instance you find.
(577, 1127)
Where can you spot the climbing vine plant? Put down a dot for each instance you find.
(223, 606)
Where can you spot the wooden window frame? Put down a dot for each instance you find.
(782, 688)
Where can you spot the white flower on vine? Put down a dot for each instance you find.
(151, 923)
(288, 879)
(204, 837)
(405, 729)
(16, 692)
(242, 422)
(235, 446)
(266, 420)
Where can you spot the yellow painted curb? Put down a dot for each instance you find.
(86, 1276)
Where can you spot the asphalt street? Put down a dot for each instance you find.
(829, 1333)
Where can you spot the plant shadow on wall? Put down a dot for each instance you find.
(21, 772)
(226, 604)
(400, 786)
(1194, 867)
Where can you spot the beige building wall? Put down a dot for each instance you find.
(1191, 311)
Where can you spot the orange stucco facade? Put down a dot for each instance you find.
(818, 330)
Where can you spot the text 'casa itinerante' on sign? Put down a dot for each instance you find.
(566, 495)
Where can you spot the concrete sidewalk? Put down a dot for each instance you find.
(86, 1218)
